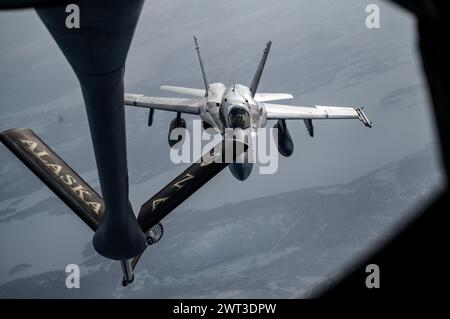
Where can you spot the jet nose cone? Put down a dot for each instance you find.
(241, 171)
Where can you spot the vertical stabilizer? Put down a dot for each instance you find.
(205, 80)
(259, 71)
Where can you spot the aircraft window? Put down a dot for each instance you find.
(239, 118)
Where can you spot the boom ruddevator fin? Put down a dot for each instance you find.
(56, 174)
(186, 184)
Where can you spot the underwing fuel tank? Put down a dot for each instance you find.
(284, 142)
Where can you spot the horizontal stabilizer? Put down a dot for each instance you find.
(183, 90)
(56, 174)
(265, 97)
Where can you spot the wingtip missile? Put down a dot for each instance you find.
(363, 117)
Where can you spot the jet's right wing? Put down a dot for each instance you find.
(182, 105)
(285, 112)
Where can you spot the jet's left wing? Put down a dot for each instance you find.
(285, 112)
(183, 105)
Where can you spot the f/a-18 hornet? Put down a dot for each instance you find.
(238, 106)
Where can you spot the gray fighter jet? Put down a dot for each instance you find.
(238, 106)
